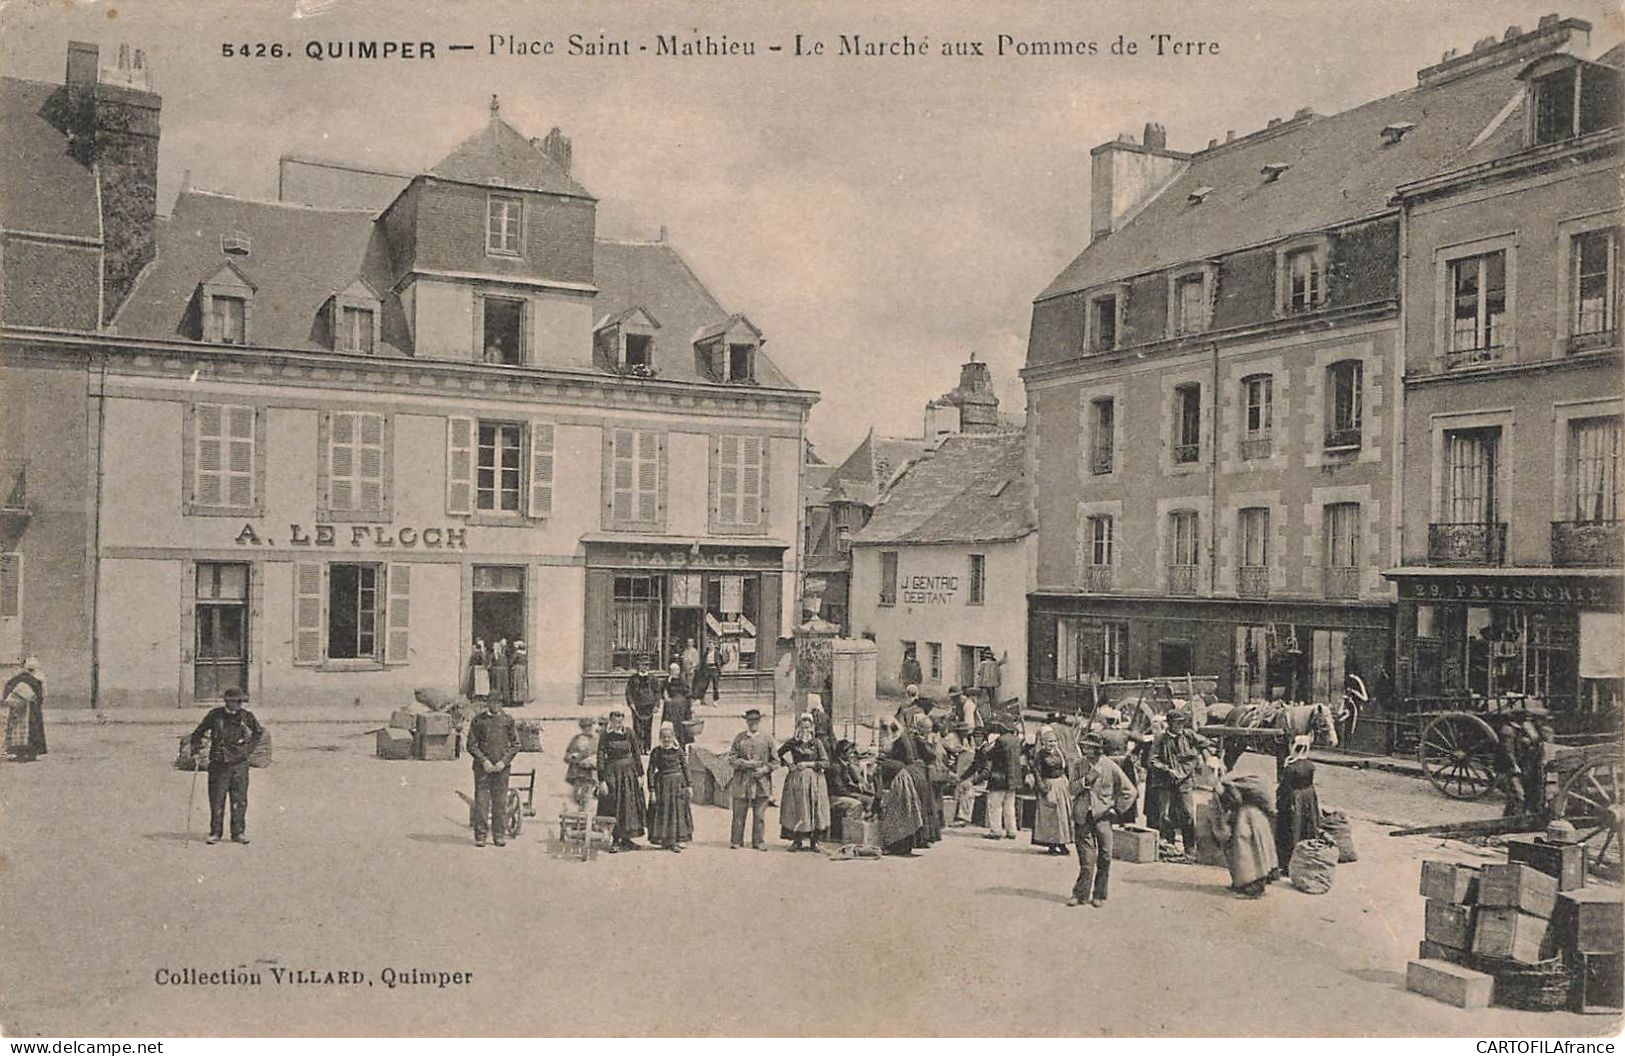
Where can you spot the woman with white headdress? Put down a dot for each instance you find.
(671, 819)
(1052, 820)
(804, 801)
(24, 696)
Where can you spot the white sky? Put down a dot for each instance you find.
(880, 219)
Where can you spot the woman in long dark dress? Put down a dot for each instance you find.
(671, 819)
(620, 782)
(24, 699)
(902, 815)
(804, 801)
(1297, 809)
(675, 707)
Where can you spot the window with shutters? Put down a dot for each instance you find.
(355, 472)
(497, 468)
(354, 611)
(499, 471)
(739, 484)
(354, 614)
(11, 607)
(634, 485)
(223, 459)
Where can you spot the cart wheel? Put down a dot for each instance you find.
(516, 814)
(1457, 752)
(1590, 800)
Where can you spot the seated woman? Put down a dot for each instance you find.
(849, 788)
(671, 819)
(1244, 827)
(804, 801)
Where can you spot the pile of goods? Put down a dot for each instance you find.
(1527, 934)
(429, 728)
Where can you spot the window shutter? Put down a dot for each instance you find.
(599, 605)
(729, 502)
(308, 581)
(648, 476)
(622, 475)
(240, 460)
(369, 462)
(460, 465)
(209, 478)
(341, 461)
(541, 469)
(750, 480)
(398, 618)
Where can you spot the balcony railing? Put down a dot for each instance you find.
(1098, 578)
(1100, 463)
(1255, 445)
(1587, 544)
(1187, 453)
(1253, 581)
(1471, 357)
(1343, 582)
(1341, 439)
(1471, 543)
(1182, 579)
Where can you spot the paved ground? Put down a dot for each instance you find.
(359, 864)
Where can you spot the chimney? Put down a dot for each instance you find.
(974, 396)
(112, 121)
(556, 145)
(1123, 175)
(1551, 35)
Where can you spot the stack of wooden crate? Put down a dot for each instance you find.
(1496, 933)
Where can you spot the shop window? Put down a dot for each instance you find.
(1251, 664)
(220, 624)
(1427, 621)
(978, 579)
(502, 329)
(1478, 314)
(636, 625)
(1103, 438)
(888, 577)
(1258, 396)
(353, 612)
(504, 222)
(1594, 478)
(1187, 424)
(1112, 636)
(1345, 382)
(1328, 659)
(732, 614)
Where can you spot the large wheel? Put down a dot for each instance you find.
(1590, 800)
(516, 813)
(1457, 752)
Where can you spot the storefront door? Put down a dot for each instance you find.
(220, 650)
(499, 603)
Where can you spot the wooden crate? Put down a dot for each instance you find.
(1590, 920)
(1449, 924)
(1450, 882)
(433, 724)
(1453, 984)
(1566, 862)
(1518, 887)
(1134, 843)
(1433, 951)
(437, 748)
(404, 719)
(394, 743)
(1512, 935)
(1598, 983)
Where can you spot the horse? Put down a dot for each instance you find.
(1304, 724)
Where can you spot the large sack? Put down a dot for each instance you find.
(1313, 863)
(1334, 825)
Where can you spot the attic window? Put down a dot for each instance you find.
(1198, 196)
(503, 330)
(1574, 101)
(235, 243)
(1395, 132)
(228, 319)
(225, 307)
(639, 350)
(741, 363)
(1273, 170)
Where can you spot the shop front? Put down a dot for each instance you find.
(649, 600)
(1486, 639)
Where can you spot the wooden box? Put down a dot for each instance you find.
(437, 749)
(1449, 924)
(394, 743)
(404, 719)
(1507, 933)
(1564, 861)
(1518, 887)
(1433, 951)
(1590, 920)
(1451, 983)
(1134, 843)
(1026, 811)
(1450, 882)
(1597, 983)
(433, 724)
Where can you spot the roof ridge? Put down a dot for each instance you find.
(250, 200)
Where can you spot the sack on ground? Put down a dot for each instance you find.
(1334, 824)
(1313, 863)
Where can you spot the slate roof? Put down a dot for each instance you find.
(972, 488)
(864, 473)
(500, 155)
(42, 187)
(1341, 170)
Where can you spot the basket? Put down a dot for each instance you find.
(530, 734)
(1544, 987)
(694, 727)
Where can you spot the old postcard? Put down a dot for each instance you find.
(846, 519)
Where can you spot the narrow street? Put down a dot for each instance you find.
(363, 865)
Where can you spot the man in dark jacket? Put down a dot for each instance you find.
(493, 741)
(998, 762)
(233, 733)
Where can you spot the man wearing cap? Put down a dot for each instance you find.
(999, 764)
(909, 673)
(1101, 795)
(493, 741)
(751, 757)
(1118, 744)
(234, 733)
(1176, 755)
(642, 695)
(988, 676)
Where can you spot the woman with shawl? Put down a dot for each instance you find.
(902, 813)
(620, 782)
(24, 697)
(1297, 809)
(675, 707)
(804, 800)
(1244, 826)
(1052, 820)
(671, 819)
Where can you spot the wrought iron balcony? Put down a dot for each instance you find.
(1343, 582)
(1187, 453)
(1471, 357)
(1098, 578)
(1182, 579)
(1472, 543)
(1255, 445)
(1587, 544)
(1253, 581)
(1341, 439)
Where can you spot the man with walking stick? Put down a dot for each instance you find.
(233, 733)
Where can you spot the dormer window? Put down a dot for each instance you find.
(504, 223)
(1190, 299)
(503, 329)
(625, 343)
(224, 304)
(639, 350)
(1569, 98)
(1103, 321)
(353, 316)
(1300, 276)
(729, 349)
(741, 363)
(228, 318)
